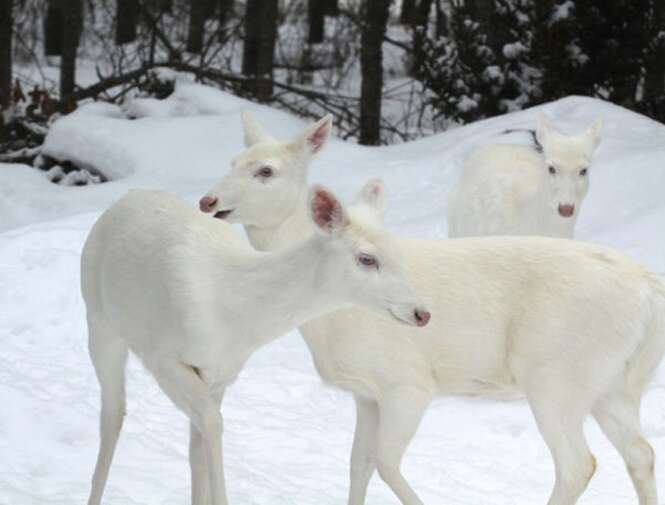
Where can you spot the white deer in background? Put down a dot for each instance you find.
(508, 189)
(193, 300)
(576, 328)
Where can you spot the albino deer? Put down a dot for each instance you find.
(193, 300)
(576, 328)
(508, 189)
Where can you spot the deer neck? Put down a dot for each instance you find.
(293, 230)
(288, 288)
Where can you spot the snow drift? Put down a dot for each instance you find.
(287, 436)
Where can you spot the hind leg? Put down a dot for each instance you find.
(109, 357)
(618, 415)
(562, 427)
(185, 387)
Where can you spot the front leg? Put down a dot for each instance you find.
(363, 455)
(190, 393)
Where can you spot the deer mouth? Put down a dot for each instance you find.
(417, 317)
(223, 214)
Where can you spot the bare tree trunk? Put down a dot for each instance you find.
(331, 7)
(72, 22)
(654, 81)
(6, 32)
(196, 26)
(127, 17)
(407, 15)
(225, 9)
(259, 47)
(371, 64)
(315, 14)
(53, 29)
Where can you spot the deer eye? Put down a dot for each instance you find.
(368, 260)
(583, 172)
(264, 172)
(552, 170)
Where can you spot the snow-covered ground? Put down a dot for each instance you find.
(287, 436)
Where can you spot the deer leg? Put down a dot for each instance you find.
(400, 412)
(618, 415)
(197, 462)
(190, 393)
(363, 455)
(109, 357)
(562, 427)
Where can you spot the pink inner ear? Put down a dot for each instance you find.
(374, 190)
(325, 209)
(318, 137)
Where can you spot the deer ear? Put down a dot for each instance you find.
(327, 213)
(315, 137)
(543, 128)
(373, 195)
(254, 132)
(593, 132)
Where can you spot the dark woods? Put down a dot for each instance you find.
(387, 70)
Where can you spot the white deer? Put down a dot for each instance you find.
(508, 189)
(576, 328)
(193, 300)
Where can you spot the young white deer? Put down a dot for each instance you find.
(193, 300)
(577, 328)
(508, 189)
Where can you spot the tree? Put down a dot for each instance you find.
(64, 21)
(6, 33)
(614, 35)
(331, 7)
(420, 21)
(259, 46)
(316, 10)
(407, 14)
(197, 17)
(127, 17)
(225, 10)
(53, 29)
(654, 79)
(72, 22)
(441, 19)
(484, 13)
(371, 64)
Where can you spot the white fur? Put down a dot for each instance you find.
(576, 328)
(508, 189)
(193, 300)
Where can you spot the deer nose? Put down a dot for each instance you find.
(422, 317)
(207, 203)
(566, 210)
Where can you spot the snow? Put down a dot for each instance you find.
(287, 436)
(513, 50)
(563, 11)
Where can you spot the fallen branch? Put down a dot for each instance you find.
(111, 82)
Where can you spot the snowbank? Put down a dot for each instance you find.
(287, 437)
